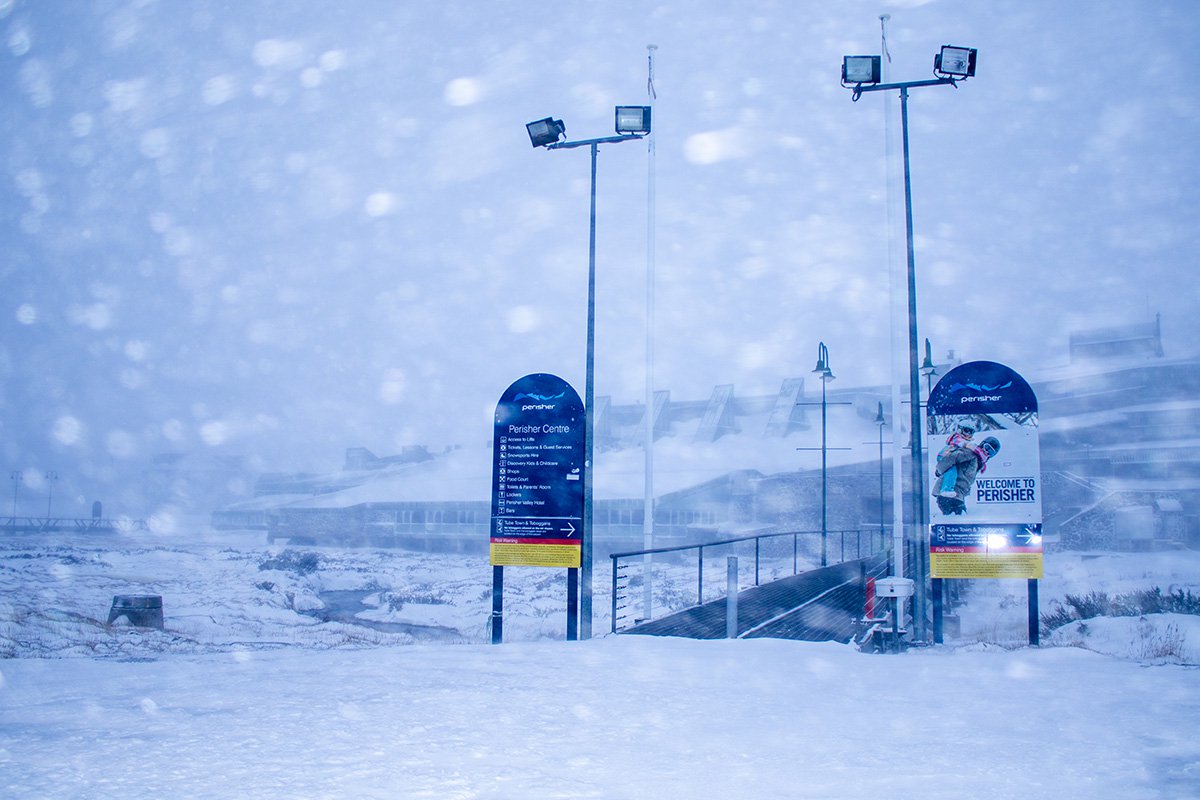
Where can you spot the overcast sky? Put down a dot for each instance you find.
(282, 229)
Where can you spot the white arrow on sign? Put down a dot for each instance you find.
(570, 529)
(1027, 536)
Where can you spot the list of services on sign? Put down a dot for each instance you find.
(537, 474)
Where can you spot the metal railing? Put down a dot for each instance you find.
(12, 524)
(874, 537)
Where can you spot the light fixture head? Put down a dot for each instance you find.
(954, 62)
(545, 131)
(823, 370)
(633, 119)
(859, 70)
(927, 367)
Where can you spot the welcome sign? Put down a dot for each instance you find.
(984, 469)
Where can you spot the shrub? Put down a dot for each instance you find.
(296, 561)
(1132, 604)
(1093, 604)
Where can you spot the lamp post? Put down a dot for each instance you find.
(51, 477)
(863, 74)
(881, 421)
(16, 479)
(632, 123)
(825, 373)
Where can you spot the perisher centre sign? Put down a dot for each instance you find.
(537, 474)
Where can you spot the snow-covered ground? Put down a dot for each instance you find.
(248, 694)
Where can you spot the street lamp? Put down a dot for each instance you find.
(825, 373)
(548, 132)
(51, 477)
(928, 369)
(16, 479)
(881, 421)
(951, 65)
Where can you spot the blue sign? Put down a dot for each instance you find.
(985, 471)
(981, 387)
(537, 474)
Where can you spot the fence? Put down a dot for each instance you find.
(57, 525)
(770, 551)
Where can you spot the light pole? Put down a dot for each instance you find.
(648, 422)
(825, 373)
(16, 479)
(632, 123)
(881, 421)
(863, 74)
(51, 477)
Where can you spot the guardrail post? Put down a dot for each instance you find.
(756, 541)
(614, 592)
(731, 597)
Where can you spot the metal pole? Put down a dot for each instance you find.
(572, 604)
(824, 519)
(881, 504)
(16, 479)
(497, 605)
(1034, 633)
(585, 555)
(614, 594)
(895, 311)
(914, 387)
(51, 477)
(756, 541)
(648, 501)
(731, 597)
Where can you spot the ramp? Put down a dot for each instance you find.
(816, 606)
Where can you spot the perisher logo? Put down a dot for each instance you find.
(984, 392)
(539, 397)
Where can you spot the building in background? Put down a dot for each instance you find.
(1119, 435)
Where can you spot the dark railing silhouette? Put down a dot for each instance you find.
(12, 524)
(874, 538)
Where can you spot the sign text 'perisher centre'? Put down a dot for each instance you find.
(537, 474)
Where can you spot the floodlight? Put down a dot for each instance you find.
(954, 62)
(545, 131)
(633, 119)
(862, 69)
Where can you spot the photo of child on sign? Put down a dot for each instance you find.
(983, 466)
(958, 464)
